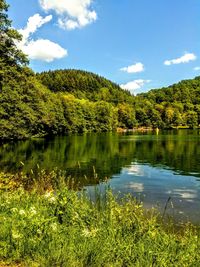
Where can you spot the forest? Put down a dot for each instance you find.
(75, 101)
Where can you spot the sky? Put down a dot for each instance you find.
(139, 44)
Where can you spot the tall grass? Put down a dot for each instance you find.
(64, 228)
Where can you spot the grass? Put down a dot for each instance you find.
(61, 227)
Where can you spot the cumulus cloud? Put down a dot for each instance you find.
(134, 85)
(197, 68)
(72, 13)
(187, 57)
(44, 50)
(138, 67)
(34, 23)
(40, 49)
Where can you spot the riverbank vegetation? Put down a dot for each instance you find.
(61, 227)
(69, 101)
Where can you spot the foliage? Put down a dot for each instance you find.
(64, 101)
(10, 54)
(26, 107)
(65, 228)
(126, 116)
(178, 105)
(83, 84)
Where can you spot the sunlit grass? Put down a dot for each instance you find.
(60, 227)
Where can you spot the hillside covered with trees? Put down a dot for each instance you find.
(176, 105)
(69, 101)
(83, 84)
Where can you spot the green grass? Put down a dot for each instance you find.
(64, 228)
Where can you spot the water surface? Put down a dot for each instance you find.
(151, 166)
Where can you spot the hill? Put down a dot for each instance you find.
(70, 101)
(29, 108)
(176, 105)
(186, 91)
(84, 85)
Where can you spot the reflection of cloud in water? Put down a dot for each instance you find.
(154, 185)
(134, 170)
(138, 187)
(187, 194)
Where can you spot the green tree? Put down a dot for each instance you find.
(10, 54)
(197, 109)
(169, 115)
(192, 119)
(155, 118)
(177, 118)
(126, 116)
(105, 116)
(141, 116)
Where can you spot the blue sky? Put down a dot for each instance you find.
(139, 44)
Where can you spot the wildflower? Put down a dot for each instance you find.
(14, 210)
(50, 197)
(47, 195)
(33, 211)
(89, 233)
(22, 212)
(54, 227)
(86, 233)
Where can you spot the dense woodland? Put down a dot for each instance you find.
(66, 101)
(177, 105)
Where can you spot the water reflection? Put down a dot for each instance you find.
(108, 153)
(151, 166)
(153, 186)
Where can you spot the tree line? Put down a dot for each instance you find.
(63, 101)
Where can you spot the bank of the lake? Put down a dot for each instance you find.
(60, 227)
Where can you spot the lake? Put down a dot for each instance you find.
(151, 166)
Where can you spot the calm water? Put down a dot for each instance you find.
(152, 167)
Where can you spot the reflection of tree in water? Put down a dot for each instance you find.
(105, 154)
(77, 155)
(179, 154)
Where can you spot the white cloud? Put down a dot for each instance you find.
(44, 50)
(72, 13)
(69, 24)
(34, 22)
(138, 67)
(187, 57)
(40, 49)
(197, 68)
(134, 85)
